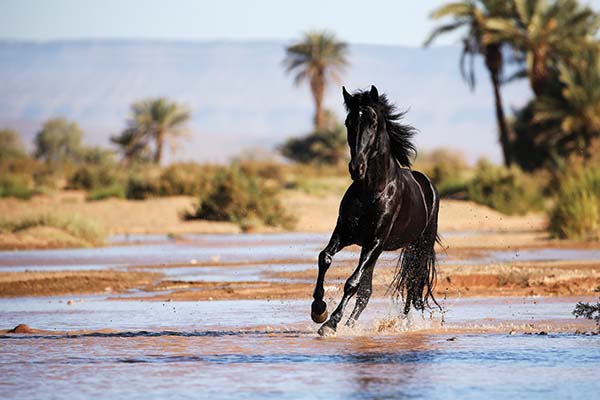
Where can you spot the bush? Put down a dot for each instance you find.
(15, 185)
(93, 177)
(79, 227)
(507, 190)
(117, 191)
(447, 169)
(189, 179)
(184, 179)
(11, 146)
(243, 199)
(576, 211)
(140, 187)
(320, 147)
(269, 169)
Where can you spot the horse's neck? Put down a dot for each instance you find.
(381, 168)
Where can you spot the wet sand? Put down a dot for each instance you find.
(54, 283)
(462, 271)
(454, 281)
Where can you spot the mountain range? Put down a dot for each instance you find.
(240, 97)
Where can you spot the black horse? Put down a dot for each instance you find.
(388, 206)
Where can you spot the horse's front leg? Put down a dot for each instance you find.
(363, 295)
(368, 258)
(336, 243)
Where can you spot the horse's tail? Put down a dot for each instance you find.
(415, 275)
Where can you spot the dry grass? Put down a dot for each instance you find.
(315, 213)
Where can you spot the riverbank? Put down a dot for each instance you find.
(163, 215)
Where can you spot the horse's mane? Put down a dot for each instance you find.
(401, 136)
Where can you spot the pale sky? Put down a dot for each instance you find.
(391, 22)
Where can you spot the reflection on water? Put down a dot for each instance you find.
(259, 349)
(499, 256)
(95, 347)
(298, 365)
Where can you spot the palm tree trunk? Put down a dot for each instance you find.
(504, 130)
(160, 139)
(493, 61)
(539, 72)
(317, 85)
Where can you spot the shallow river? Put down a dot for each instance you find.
(269, 349)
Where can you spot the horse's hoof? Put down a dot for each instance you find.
(319, 318)
(326, 331)
(318, 311)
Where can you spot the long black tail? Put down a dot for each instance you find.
(415, 275)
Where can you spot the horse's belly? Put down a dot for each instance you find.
(407, 227)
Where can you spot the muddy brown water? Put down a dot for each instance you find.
(95, 347)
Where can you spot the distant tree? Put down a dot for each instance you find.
(547, 33)
(156, 119)
(11, 145)
(133, 146)
(474, 15)
(59, 140)
(318, 58)
(572, 115)
(327, 146)
(97, 155)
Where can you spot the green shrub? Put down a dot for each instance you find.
(117, 191)
(16, 185)
(140, 187)
(321, 147)
(507, 190)
(264, 168)
(94, 177)
(576, 211)
(189, 179)
(447, 169)
(11, 145)
(77, 226)
(241, 198)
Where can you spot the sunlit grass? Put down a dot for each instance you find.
(76, 226)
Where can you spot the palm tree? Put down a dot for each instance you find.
(319, 58)
(546, 32)
(133, 145)
(575, 112)
(158, 120)
(474, 16)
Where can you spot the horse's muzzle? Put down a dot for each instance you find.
(357, 170)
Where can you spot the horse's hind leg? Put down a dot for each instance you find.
(336, 243)
(365, 289)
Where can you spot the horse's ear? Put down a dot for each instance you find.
(348, 99)
(374, 94)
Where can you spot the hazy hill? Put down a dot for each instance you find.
(238, 92)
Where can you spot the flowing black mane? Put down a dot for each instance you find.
(401, 143)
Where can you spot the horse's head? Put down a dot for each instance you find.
(362, 125)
